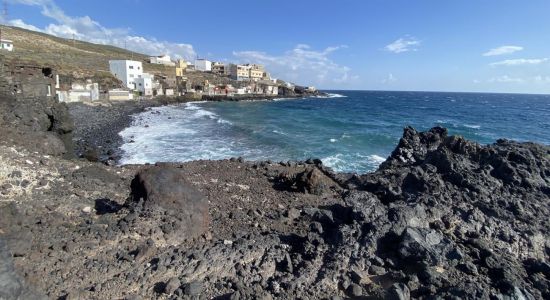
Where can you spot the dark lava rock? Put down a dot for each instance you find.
(12, 286)
(172, 285)
(91, 154)
(39, 124)
(355, 290)
(398, 291)
(193, 288)
(311, 181)
(166, 190)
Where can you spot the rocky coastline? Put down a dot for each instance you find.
(96, 136)
(443, 217)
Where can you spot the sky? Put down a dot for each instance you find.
(422, 45)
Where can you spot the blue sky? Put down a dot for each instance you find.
(467, 45)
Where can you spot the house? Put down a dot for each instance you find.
(256, 72)
(181, 66)
(246, 72)
(269, 89)
(311, 89)
(203, 65)
(218, 68)
(239, 72)
(145, 84)
(127, 71)
(6, 45)
(162, 60)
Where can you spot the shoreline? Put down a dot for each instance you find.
(96, 136)
(440, 212)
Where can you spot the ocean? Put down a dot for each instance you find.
(350, 131)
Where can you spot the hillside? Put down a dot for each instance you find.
(74, 58)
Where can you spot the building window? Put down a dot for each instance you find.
(131, 75)
(131, 67)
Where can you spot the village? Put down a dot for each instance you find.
(240, 79)
(128, 80)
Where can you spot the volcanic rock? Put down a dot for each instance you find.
(164, 190)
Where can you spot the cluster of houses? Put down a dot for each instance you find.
(252, 78)
(247, 79)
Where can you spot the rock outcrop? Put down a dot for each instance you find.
(39, 124)
(162, 196)
(12, 287)
(443, 217)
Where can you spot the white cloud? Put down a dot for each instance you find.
(503, 50)
(20, 23)
(506, 79)
(404, 44)
(539, 79)
(389, 79)
(87, 29)
(520, 61)
(302, 65)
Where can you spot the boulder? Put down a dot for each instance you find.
(163, 190)
(312, 181)
(12, 287)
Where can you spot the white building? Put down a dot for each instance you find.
(162, 60)
(6, 45)
(239, 72)
(145, 84)
(127, 71)
(120, 95)
(80, 92)
(203, 65)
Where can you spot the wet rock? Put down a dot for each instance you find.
(91, 154)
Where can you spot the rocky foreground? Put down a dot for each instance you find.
(443, 217)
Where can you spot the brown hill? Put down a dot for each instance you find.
(74, 58)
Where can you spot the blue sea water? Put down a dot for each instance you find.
(352, 131)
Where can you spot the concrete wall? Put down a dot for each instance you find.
(120, 95)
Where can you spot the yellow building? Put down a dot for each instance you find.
(181, 65)
(256, 74)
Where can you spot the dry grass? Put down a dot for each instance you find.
(70, 57)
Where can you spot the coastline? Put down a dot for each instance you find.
(96, 136)
(440, 211)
